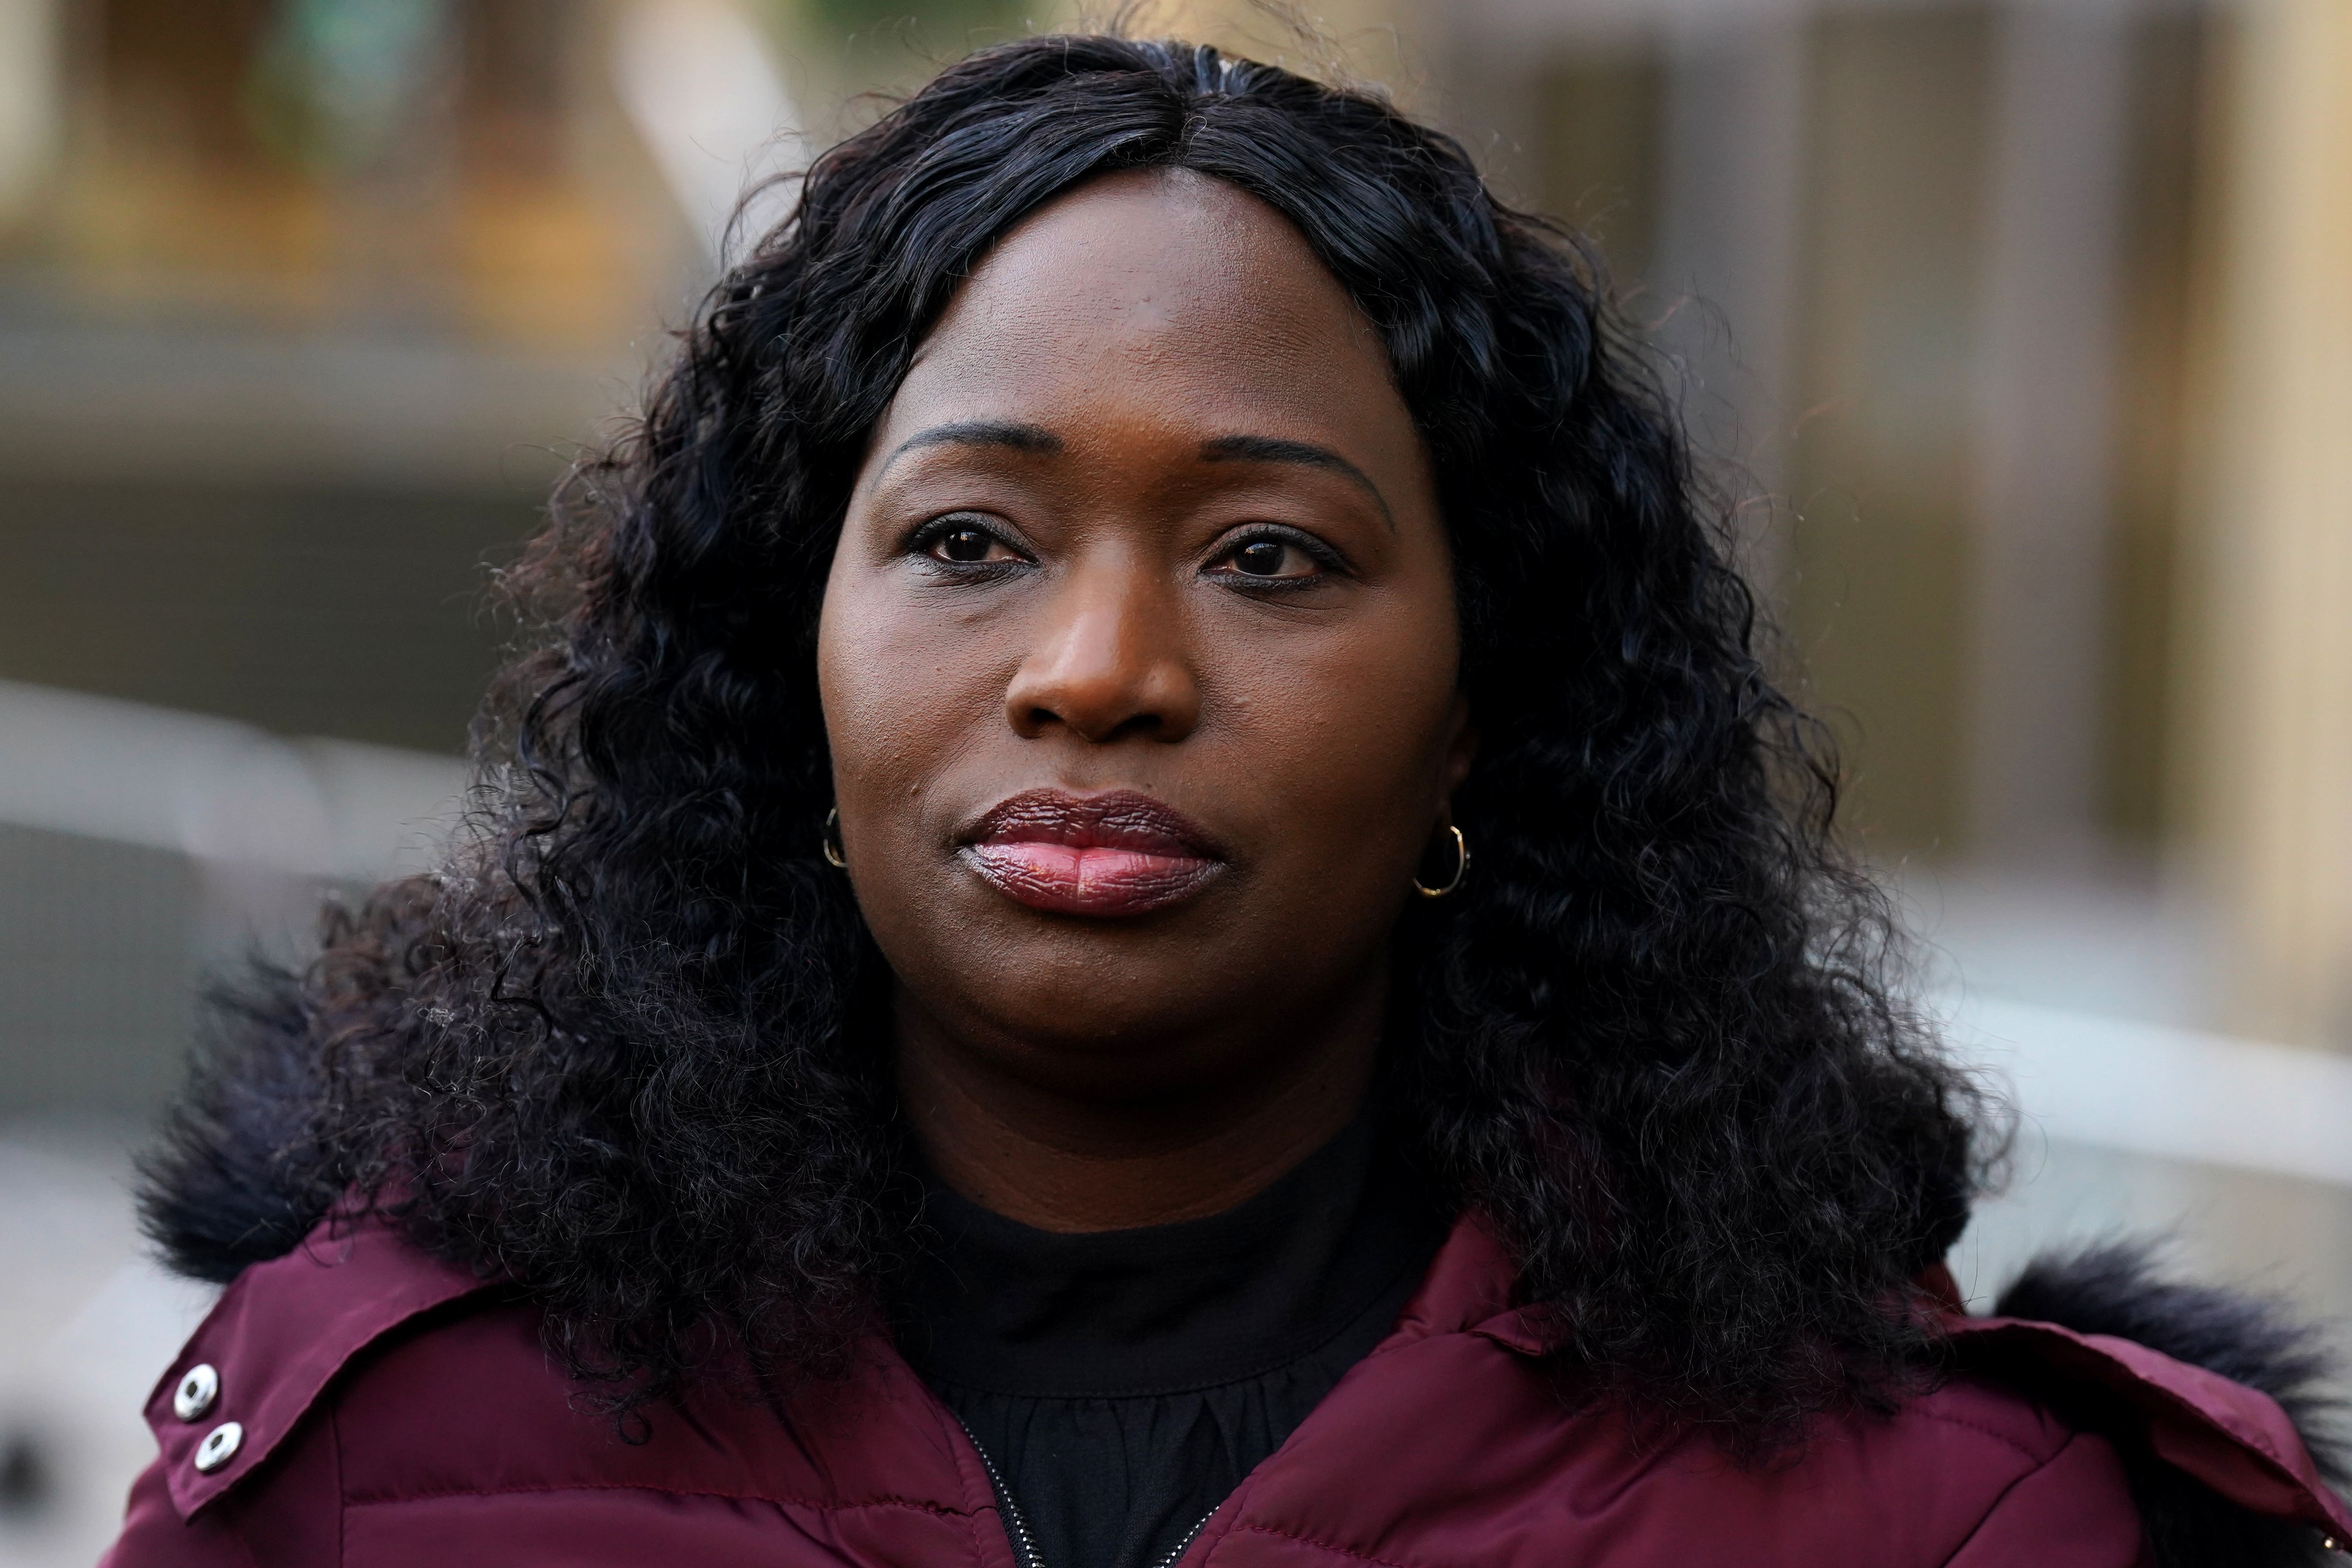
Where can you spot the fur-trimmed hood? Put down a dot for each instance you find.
(2115, 1290)
(232, 1179)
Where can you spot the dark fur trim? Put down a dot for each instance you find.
(2115, 1289)
(232, 1179)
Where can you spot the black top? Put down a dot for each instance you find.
(1120, 1383)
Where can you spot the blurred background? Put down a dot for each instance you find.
(2020, 330)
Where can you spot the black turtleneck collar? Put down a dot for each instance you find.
(1166, 1308)
(1121, 1383)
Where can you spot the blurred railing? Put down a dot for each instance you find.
(2176, 1094)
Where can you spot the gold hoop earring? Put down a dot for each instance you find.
(833, 850)
(1461, 868)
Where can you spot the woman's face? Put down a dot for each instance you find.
(1138, 654)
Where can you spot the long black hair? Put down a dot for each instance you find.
(623, 1049)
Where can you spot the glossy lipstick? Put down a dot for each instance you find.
(1116, 854)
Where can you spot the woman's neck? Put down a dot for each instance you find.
(1057, 1158)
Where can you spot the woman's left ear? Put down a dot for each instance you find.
(1461, 746)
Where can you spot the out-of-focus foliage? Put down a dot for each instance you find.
(334, 82)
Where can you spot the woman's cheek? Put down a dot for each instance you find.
(880, 685)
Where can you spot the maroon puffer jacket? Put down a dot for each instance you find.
(357, 1402)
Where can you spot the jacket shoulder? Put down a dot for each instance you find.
(393, 1409)
(278, 1337)
(1486, 1453)
(2002, 1477)
(2211, 1398)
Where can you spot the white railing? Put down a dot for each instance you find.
(219, 791)
(2149, 1088)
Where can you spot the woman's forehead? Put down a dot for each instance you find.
(1156, 260)
(1156, 288)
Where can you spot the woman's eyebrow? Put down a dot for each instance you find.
(1272, 449)
(975, 433)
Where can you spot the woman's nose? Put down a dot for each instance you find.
(1112, 662)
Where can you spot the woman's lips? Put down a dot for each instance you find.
(1115, 854)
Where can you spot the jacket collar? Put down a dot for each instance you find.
(279, 1334)
(287, 1328)
(2236, 1440)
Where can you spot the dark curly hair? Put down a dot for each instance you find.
(624, 1050)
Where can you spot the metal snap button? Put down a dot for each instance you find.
(219, 1446)
(197, 1392)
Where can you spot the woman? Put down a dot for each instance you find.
(1147, 906)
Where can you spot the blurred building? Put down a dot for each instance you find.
(2028, 319)
(300, 308)
(2020, 332)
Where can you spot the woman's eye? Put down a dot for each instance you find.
(967, 544)
(1261, 558)
(1271, 559)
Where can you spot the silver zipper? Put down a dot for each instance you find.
(1025, 1550)
(1025, 1546)
(1168, 1560)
